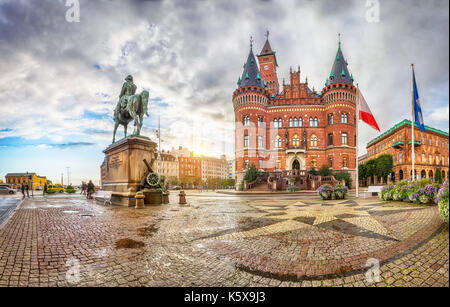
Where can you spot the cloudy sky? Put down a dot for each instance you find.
(60, 80)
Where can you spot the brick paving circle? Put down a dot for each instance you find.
(223, 240)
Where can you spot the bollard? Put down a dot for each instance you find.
(182, 198)
(139, 200)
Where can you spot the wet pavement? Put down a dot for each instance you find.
(7, 205)
(224, 240)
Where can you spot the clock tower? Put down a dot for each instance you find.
(268, 67)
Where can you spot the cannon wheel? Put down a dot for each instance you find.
(153, 179)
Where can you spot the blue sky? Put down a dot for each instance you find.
(63, 79)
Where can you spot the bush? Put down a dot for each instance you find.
(325, 191)
(442, 201)
(51, 191)
(251, 173)
(70, 191)
(293, 189)
(340, 191)
(400, 192)
(313, 171)
(344, 176)
(241, 186)
(387, 192)
(325, 171)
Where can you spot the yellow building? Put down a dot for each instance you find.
(15, 180)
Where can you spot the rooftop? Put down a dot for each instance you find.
(401, 124)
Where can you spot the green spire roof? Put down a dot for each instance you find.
(246, 75)
(343, 73)
(351, 77)
(250, 76)
(239, 81)
(339, 71)
(258, 77)
(331, 75)
(338, 58)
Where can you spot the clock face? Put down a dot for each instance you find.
(266, 67)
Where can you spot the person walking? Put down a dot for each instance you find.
(90, 189)
(23, 190)
(44, 191)
(27, 188)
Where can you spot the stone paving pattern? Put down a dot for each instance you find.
(224, 240)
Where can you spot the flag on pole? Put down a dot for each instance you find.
(364, 112)
(418, 118)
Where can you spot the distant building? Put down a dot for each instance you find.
(431, 151)
(167, 165)
(34, 181)
(362, 159)
(230, 169)
(214, 168)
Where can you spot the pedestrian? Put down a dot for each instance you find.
(83, 187)
(90, 189)
(23, 190)
(26, 189)
(44, 191)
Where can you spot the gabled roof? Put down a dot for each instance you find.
(19, 174)
(339, 72)
(251, 75)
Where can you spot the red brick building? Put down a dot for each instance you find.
(430, 147)
(289, 127)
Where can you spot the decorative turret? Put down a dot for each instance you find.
(268, 67)
(251, 76)
(339, 72)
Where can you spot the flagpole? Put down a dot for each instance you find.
(356, 131)
(413, 158)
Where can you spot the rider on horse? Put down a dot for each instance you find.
(128, 89)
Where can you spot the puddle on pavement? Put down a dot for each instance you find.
(129, 243)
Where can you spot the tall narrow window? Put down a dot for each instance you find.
(247, 121)
(311, 122)
(300, 122)
(316, 122)
(344, 118)
(260, 121)
(246, 163)
(295, 122)
(344, 162)
(344, 138)
(280, 123)
(290, 122)
(313, 141)
(278, 142)
(260, 164)
(246, 141)
(330, 162)
(295, 141)
(275, 122)
(260, 141)
(330, 119)
(330, 139)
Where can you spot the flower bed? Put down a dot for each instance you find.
(340, 191)
(442, 201)
(325, 191)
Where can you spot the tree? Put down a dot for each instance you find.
(344, 176)
(251, 173)
(438, 176)
(325, 171)
(371, 167)
(313, 171)
(362, 172)
(384, 164)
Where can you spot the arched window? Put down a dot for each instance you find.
(295, 122)
(316, 122)
(300, 122)
(344, 118)
(400, 158)
(290, 122)
(313, 141)
(280, 123)
(278, 142)
(330, 119)
(311, 122)
(295, 141)
(247, 120)
(275, 122)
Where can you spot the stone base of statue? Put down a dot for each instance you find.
(153, 197)
(124, 168)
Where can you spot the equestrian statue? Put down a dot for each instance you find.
(130, 107)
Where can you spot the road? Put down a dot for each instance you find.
(7, 206)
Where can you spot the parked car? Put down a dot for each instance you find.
(6, 190)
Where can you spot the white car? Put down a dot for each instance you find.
(6, 190)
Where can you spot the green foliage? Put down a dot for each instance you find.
(70, 191)
(362, 171)
(384, 164)
(313, 171)
(438, 176)
(293, 188)
(344, 176)
(251, 173)
(325, 171)
(241, 186)
(69, 187)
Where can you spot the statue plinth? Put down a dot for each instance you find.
(125, 168)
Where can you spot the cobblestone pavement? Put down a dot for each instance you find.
(224, 240)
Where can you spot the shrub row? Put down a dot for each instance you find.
(326, 191)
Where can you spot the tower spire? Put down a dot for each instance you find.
(339, 72)
(251, 42)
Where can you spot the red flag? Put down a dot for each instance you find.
(365, 114)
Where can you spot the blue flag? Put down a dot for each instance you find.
(418, 118)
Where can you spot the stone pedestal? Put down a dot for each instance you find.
(124, 168)
(153, 197)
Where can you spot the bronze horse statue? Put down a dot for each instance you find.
(135, 109)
